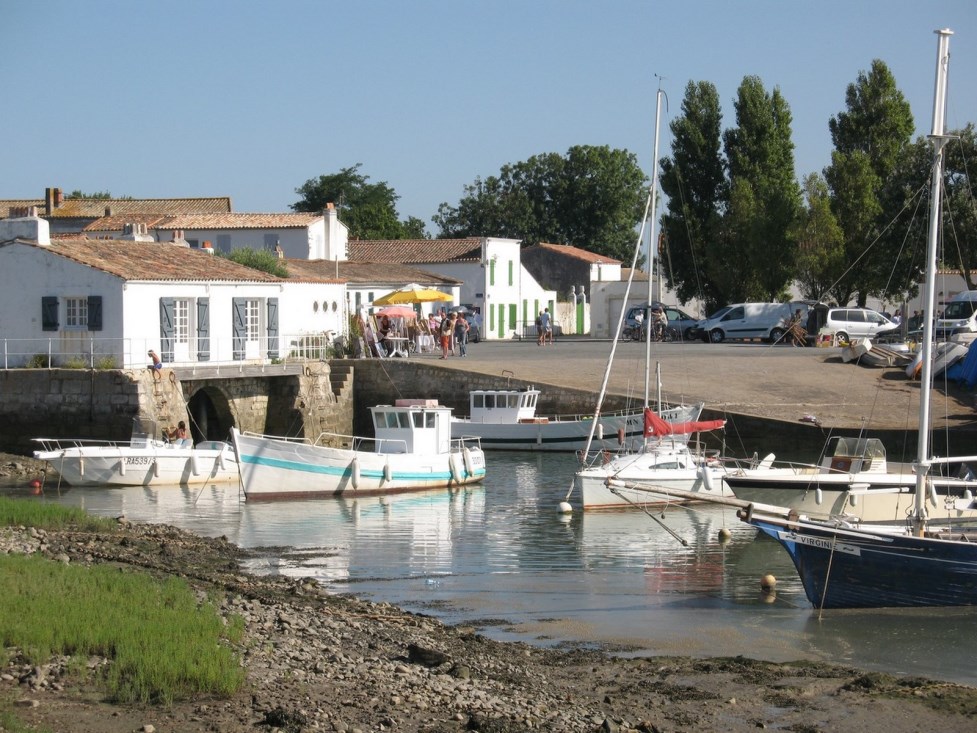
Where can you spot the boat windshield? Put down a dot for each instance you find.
(869, 448)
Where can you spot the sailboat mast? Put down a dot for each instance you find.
(652, 244)
(929, 296)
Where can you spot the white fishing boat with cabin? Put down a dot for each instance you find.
(412, 450)
(506, 419)
(145, 460)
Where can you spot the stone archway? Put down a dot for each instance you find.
(210, 414)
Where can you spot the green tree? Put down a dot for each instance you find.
(258, 259)
(592, 198)
(694, 181)
(101, 195)
(868, 139)
(765, 200)
(820, 241)
(368, 209)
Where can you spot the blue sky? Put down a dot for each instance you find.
(250, 100)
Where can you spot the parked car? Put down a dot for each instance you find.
(853, 323)
(766, 321)
(959, 318)
(681, 326)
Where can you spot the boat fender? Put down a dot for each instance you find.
(469, 463)
(818, 496)
(600, 431)
(354, 469)
(388, 472)
(620, 436)
(122, 466)
(194, 468)
(968, 495)
(221, 460)
(455, 463)
(155, 468)
(853, 498)
(932, 494)
(81, 466)
(706, 475)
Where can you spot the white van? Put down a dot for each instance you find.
(959, 321)
(750, 321)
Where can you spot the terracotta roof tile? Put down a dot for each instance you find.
(568, 250)
(392, 274)
(91, 208)
(415, 250)
(210, 221)
(153, 261)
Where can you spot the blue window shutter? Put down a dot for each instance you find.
(239, 327)
(203, 329)
(272, 328)
(94, 312)
(49, 313)
(166, 328)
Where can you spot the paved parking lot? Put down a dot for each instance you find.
(779, 382)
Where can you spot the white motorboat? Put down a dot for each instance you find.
(413, 450)
(506, 419)
(855, 481)
(144, 460)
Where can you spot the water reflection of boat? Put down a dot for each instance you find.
(396, 535)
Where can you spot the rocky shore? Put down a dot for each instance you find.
(321, 662)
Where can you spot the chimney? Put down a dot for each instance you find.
(25, 224)
(136, 233)
(178, 239)
(108, 211)
(48, 201)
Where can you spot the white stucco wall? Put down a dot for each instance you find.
(297, 242)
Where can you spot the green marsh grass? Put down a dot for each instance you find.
(32, 513)
(164, 646)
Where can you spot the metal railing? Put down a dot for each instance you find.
(68, 350)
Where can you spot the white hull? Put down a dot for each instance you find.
(150, 465)
(569, 434)
(872, 497)
(628, 481)
(281, 468)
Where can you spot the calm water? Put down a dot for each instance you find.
(500, 557)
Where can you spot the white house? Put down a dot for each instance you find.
(490, 271)
(108, 302)
(292, 235)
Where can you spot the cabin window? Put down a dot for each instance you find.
(378, 420)
(418, 419)
(479, 401)
(76, 313)
(490, 401)
(403, 419)
(430, 418)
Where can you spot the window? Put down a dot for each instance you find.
(224, 243)
(251, 320)
(735, 314)
(181, 321)
(76, 313)
(271, 239)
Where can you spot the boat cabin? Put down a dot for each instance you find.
(853, 455)
(504, 406)
(412, 426)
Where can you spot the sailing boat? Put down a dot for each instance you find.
(665, 458)
(842, 565)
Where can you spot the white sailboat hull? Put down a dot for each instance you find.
(629, 481)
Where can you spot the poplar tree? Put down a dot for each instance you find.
(765, 200)
(694, 181)
(869, 138)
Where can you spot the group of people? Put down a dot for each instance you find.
(453, 330)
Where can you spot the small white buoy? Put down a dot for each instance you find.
(768, 582)
(565, 508)
(725, 535)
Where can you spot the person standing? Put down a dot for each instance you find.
(539, 329)
(546, 324)
(461, 334)
(446, 331)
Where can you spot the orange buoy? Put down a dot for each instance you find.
(36, 484)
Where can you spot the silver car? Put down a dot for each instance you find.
(853, 323)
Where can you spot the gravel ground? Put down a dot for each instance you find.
(321, 662)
